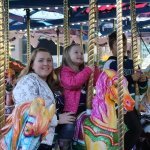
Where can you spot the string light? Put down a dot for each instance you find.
(79, 23)
(72, 7)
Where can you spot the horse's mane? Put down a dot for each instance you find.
(98, 101)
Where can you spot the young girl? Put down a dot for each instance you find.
(73, 77)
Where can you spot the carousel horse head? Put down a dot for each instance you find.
(26, 126)
(107, 95)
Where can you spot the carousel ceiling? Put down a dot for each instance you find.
(46, 14)
(46, 3)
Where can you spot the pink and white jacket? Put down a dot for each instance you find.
(72, 83)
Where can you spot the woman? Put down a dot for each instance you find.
(34, 82)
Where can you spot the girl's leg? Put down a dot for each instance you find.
(65, 135)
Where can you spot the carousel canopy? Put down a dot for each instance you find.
(45, 3)
(46, 14)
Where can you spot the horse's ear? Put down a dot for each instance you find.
(52, 110)
(109, 82)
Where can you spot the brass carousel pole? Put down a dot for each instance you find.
(91, 45)
(81, 36)
(6, 35)
(134, 46)
(2, 66)
(28, 35)
(97, 41)
(120, 75)
(8, 76)
(66, 24)
(58, 48)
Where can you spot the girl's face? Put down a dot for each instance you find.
(43, 64)
(76, 55)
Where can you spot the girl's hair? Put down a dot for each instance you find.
(28, 68)
(55, 83)
(113, 38)
(66, 60)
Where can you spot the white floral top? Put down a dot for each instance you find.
(30, 87)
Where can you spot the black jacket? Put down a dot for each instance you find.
(111, 63)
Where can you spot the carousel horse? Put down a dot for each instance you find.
(26, 126)
(99, 129)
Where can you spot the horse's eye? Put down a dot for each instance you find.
(115, 85)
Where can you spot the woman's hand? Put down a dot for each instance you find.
(66, 118)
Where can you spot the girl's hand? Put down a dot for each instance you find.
(66, 118)
(92, 68)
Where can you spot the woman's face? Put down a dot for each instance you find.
(43, 64)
